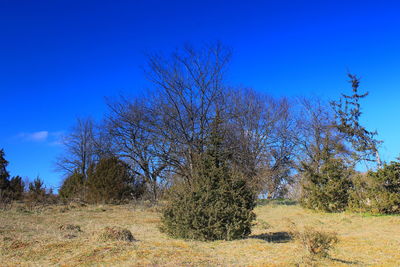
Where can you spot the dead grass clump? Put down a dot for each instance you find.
(18, 244)
(263, 224)
(70, 236)
(317, 243)
(147, 206)
(76, 204)
(63, 209)
(70, 227)
(116, 234)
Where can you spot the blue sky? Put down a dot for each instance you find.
(60, 58)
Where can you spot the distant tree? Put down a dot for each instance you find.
(217, 204)
(36, 191)
(161, 134)
(324, 160)
(188, 86)
(10, 189)
(79, 147)
(327, 189)
(377, 191)
(110, 181)
(348, 113)
(4, 175)
(17, 187)
(318, 139)
(262, 135)
(5, 198)
(73, 187)
(130, 125)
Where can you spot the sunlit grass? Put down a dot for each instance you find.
(35, 238)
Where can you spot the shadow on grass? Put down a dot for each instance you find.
(285, 202)
(275, 237)
(346, 262)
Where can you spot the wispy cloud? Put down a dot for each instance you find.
(40, 136)
(50, 138)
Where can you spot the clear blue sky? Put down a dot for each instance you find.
(60, 58)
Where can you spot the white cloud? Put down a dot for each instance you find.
(35, 136)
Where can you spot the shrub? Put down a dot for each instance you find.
(17, 188)
(116, 234)
(36, 192)
(216, 205)
(4, 175)
(328, 188)
(5, 200)
(377, 192)
(316, 243)
(110, 181)
(70, 227)
(73, 187)
(10, 189)
(70, 230)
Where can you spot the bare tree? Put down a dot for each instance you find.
(262, 139)
(130, 125)
(188, 87)
(318, 139)
(164, 133)
(79, 149)
(161, 134)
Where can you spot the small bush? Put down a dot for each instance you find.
(73, 187)
(328, 188)
(70, 230)
(17, 187)
(316, 243)
(10, 189)
(36, 192)
(116, 234)
(110, 181)
(377, 192)
(5, 200)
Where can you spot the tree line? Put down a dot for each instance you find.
(159, 135)
(210, 150)
(15, 188)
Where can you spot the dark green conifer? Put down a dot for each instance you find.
(377, 192)
(109, 181)
(4, 175)
(327, 188)
(17, 187)
(73, 187)
(36, 191)
(217, 205)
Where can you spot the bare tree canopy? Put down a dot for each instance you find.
(79, 151)
(163, 133)
(318, 138)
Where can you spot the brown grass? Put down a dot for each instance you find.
(37, 238)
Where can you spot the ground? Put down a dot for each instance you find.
(69, 236)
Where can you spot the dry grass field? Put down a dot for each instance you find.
(70, 236)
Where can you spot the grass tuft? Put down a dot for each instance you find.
(116, 234)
